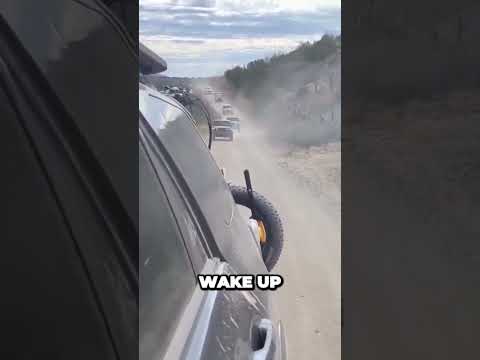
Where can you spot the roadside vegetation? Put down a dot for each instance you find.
(295, 95)
(251, 79)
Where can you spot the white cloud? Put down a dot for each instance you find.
(275, 5)
(208, 57)
(248, 5)
(181, 47)
(210, 36)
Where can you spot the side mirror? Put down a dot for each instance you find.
(201, 117)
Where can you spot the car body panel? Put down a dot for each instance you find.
(219, 324)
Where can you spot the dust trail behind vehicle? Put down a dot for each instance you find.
(309, 301)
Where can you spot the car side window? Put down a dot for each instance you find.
(193, 236)
(166, 276)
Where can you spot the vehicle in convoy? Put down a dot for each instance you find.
(218, 97)
(227, 109)
(235, 120)
(190, 224)
(69, 130)
(223, 130)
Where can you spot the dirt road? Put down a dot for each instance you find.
(309, 301)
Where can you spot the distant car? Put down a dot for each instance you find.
(227, 109)
(208, 91)
(235, 120)
(222, 129)
(218, 97)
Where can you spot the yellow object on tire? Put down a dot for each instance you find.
(262, 232)
(270, 228)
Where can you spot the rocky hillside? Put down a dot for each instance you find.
(295, 95)
(290, 71)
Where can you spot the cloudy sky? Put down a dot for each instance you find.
(207, 37)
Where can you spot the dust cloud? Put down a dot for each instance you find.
(300, 185)
(290, 142)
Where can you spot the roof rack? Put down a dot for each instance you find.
(150, 63)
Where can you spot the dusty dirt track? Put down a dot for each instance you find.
(309, 301)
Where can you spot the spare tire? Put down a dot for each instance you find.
(266, 213)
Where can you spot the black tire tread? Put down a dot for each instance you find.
(271, 219)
